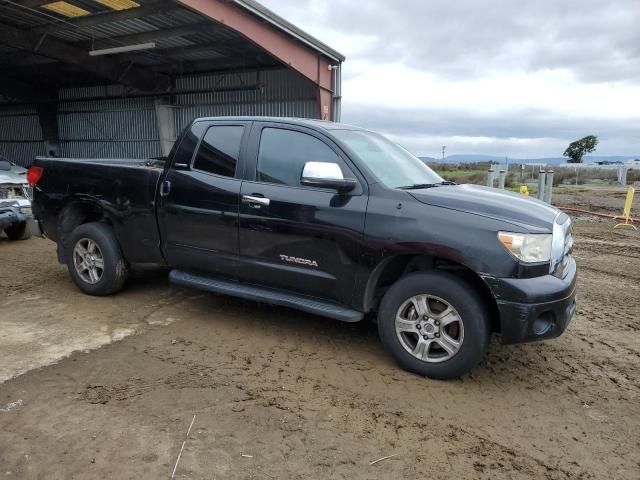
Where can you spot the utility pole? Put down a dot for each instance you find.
(444, 147)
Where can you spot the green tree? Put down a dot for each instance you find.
(578, 149)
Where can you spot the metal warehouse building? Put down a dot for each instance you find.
(121, 78)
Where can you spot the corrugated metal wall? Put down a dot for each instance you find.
(115, 128)
(20, 134)
(94, 124)
(274, 93)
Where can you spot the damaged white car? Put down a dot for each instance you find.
(16, 218)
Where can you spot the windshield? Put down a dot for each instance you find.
(390, 163)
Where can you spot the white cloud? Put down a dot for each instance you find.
(552, 90)
(506, 78)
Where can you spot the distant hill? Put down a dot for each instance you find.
(474, 158)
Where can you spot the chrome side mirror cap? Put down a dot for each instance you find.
(326, 175)
(322, 170)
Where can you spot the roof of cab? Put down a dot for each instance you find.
(305, 122)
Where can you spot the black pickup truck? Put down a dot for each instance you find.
(326, 218)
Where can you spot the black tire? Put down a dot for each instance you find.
(470, 309)
(18, 231)
(115, 269)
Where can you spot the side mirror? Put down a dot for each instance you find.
(326, 175)
(5, 165)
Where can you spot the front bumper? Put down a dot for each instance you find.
(533, 309)
(10, 215)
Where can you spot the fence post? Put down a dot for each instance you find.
(501, 179)
(541, 178)
(622, 175)
(549, 189)
(491, 175)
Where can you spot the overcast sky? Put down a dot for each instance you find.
(504, 77)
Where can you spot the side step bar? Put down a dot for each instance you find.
(266, 295)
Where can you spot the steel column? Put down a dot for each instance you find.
(541, 184)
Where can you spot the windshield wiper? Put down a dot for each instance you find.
(417, 186)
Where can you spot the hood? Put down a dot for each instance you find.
(19, 170)
(492, 203)
(12, 177)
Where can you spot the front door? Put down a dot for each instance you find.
(200, 197)
(292, 236)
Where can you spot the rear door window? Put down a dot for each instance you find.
(219, 150)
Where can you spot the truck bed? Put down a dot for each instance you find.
(124, 188)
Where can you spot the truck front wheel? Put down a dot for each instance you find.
(434, 324)
(18, 231)
(94, 259)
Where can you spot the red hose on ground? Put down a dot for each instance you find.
(606, 215)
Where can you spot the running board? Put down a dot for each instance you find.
(261, 294)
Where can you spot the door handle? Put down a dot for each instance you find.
(255, 202)
(165, 188)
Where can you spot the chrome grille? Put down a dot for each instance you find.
(11, 191)
(561, 266)
(568, 242)
(28, 192)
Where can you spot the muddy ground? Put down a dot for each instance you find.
(607, 199)
(281, 394)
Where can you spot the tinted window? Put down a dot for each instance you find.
(283, 153)
(219, 151)
(182, 151)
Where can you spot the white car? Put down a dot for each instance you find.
(16, 218)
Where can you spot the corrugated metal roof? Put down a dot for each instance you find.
(289, 28)
(193, 44)
(66, 30)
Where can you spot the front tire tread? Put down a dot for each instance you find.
(467, 302)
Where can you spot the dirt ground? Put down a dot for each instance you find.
(596, 198)
(281, 394)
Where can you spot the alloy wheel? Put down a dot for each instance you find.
(429, 328)
(88, 260)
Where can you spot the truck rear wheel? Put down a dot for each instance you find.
(434, 324)
(18, 231)
(95, 261)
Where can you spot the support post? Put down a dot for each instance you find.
(166, 125)
(491, 175)
(501, 179)
(48, 119)
(549, 189)
(622, 175)
(541, 184)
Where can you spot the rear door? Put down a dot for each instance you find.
(200, 198)
(292, 236)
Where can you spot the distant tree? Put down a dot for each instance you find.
(578, 149)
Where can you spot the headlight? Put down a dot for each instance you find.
(527, 247)
(25, 210)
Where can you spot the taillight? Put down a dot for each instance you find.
(34, 175)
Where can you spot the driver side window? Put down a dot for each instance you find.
(283, 154)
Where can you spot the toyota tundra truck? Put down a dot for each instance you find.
(326, 218)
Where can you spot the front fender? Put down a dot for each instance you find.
(397, 231)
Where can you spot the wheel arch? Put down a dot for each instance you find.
(391, 269)
(75, 213)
